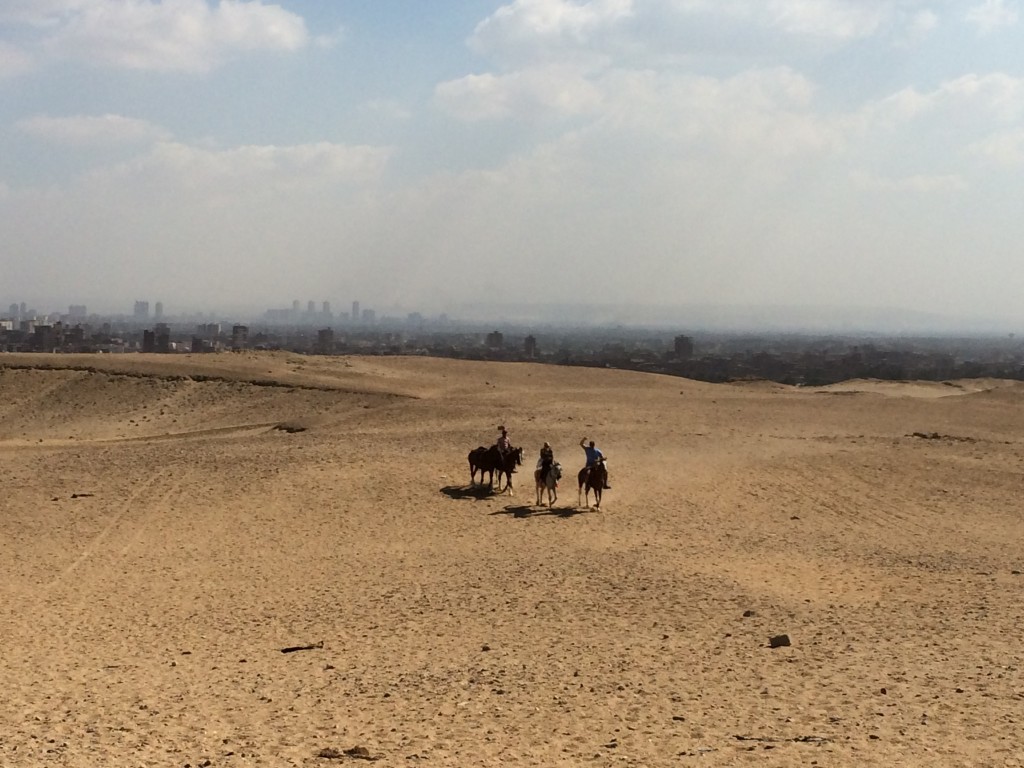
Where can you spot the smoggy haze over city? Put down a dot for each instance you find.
(862, 155)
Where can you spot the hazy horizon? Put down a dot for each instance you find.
(846, 163)
(682, 319)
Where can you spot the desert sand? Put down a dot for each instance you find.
(169, 524)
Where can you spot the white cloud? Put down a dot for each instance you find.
(39, 13)
(536, 92)
(992, 15)
(562, 21)
(161, 35)
(539, 30)
(760, 112)
(756, 113)
(964, 100)
(837, 19)
(252, 169)
(1003, 149)
(91, 129)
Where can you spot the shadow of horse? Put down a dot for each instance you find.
(474, 492)
(522, 512)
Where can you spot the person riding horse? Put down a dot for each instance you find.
(594, 457)
(504, 444)
(547, 459)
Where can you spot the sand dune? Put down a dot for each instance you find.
(169, 524)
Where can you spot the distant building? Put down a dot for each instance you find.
(149, 341)
(310, 307)
(683, 347)
(77, 312)
(495, 340)
(158, 311)
(369, 317)
(141, 311)
(47, 338)
(325, 341)
(355, 311)
(530, 346)
(239, 336)
(327, 309)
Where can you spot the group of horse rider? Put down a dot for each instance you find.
(547, 455)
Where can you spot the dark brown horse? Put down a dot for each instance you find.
(592, 479)
(490, 460)
(479, 461)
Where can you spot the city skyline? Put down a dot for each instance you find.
(801, 156)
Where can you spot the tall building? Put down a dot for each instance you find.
(530, 346)
(355, 311)
(239, 336)
(327, 309)
(141, 310)
(310, 307)
(683, 347)
(325, 341)
(158, 311)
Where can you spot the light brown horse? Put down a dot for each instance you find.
(550, 483)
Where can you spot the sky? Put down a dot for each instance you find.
(856, 156)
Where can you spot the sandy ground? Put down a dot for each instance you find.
(162, 539)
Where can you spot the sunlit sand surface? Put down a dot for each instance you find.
(170, 524)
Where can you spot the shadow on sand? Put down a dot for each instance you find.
(523, 511)
(475, 492)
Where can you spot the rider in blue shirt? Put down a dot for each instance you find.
(593, 456)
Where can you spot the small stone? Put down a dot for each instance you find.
(748, 614)
(485, 648)
(779, 641)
